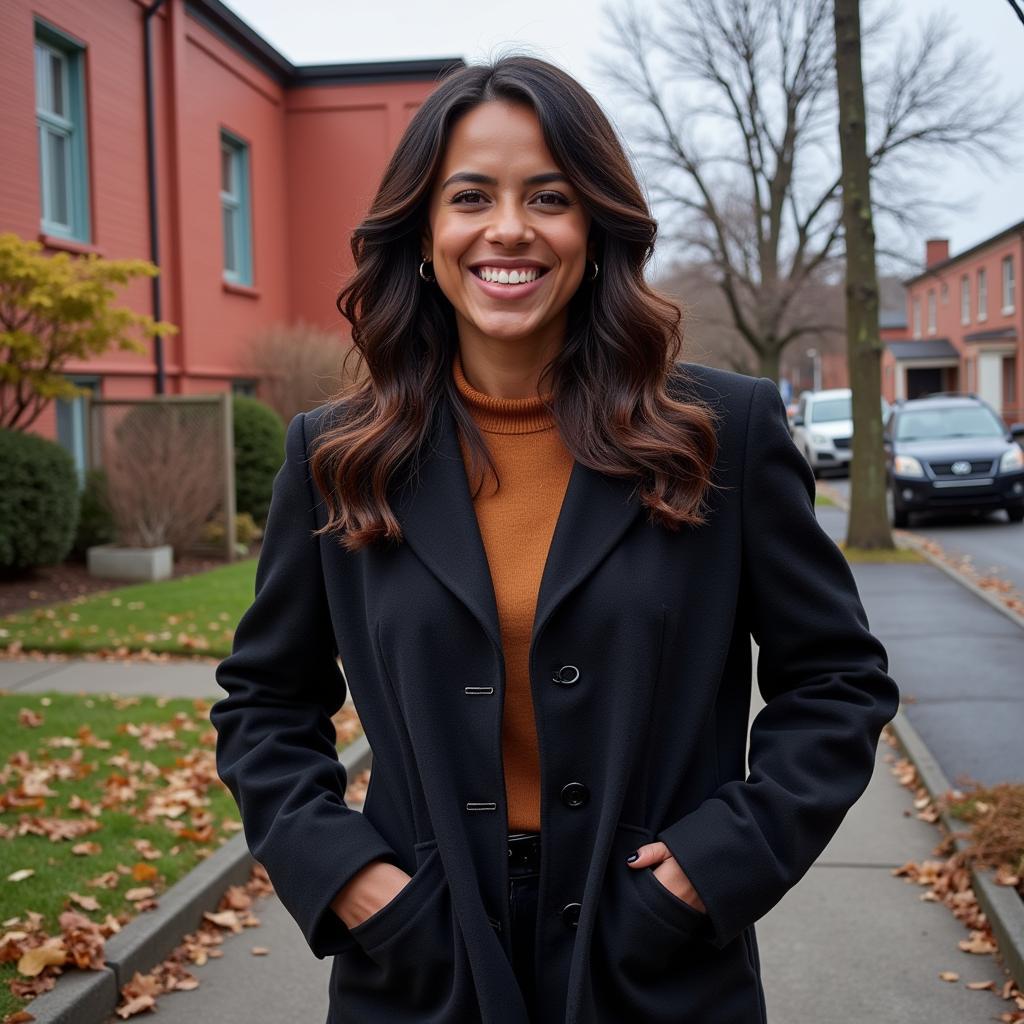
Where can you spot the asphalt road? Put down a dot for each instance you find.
(994, 544)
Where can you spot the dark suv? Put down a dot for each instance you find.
(952, 452)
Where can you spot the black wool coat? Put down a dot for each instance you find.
(640, 668)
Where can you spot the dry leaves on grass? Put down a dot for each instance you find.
(176, 798)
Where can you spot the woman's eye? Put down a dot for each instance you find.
(462, 195)
(556, 196)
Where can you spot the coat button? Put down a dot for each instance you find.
(566, 675)
(571, 914)
(575, 794)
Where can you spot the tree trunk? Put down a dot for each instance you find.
(769, 360)
(868, 524)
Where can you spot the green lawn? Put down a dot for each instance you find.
(189, 615)
(143, 764)
(142, 769)
(822, 499)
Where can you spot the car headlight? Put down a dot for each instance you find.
(820, 438)
(1012, 460)
(907, 465)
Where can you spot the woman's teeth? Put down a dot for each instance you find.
(501, 276)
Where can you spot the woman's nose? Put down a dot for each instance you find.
(509, 224)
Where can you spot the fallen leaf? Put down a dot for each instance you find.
(51, 952)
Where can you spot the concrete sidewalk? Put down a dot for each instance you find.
(180, 678)
(958, 662)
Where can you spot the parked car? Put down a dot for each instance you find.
(952, 451)
(823, 427)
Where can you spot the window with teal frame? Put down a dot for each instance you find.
(236, 215)
(60, 126)
(73, 423)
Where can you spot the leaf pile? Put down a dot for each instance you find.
(948, 881)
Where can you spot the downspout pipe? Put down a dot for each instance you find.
(154, 228)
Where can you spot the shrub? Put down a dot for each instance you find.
(259, 451)
(96, 520)
(39, 502)
(246, 530)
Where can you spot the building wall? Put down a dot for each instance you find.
(1001, 379)
(316, 155)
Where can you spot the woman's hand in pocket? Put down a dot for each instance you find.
(668, 872)
(372, 887)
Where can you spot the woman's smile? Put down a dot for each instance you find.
(508, 283)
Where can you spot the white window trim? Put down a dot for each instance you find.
(965, 300)
(982, 296)
(932, 312)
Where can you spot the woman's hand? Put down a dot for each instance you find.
(668, 872)
(369, 889)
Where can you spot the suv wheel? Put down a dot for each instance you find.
(900, 516)
(1016, 514)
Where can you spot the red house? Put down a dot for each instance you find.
(965, 325)
(171, 131)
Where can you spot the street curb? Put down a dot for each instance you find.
(90, 997)
(907, 539)
(1003, 908)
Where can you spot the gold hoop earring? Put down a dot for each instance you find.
(593, 276)
(423, 263)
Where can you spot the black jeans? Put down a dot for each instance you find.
(523, 876)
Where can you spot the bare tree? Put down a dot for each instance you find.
(297, 365)
(868, 523)
(731, 106)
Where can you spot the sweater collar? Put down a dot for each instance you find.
(501, 415)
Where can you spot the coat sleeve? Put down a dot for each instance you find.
(823, 677)
(276, 744)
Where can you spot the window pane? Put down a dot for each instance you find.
(43, 101)
(225, 170)
(229, 239)
(57, 84)
(58, 178)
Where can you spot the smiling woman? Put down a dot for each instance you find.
(554, 675)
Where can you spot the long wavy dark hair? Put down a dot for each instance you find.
(607, 383)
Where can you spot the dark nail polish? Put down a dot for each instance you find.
(633, 856)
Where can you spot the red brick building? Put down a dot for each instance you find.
(965, 317)
(260, 170)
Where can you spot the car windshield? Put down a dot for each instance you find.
(828, 410)
(958, 421)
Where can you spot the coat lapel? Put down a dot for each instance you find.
(435, 511)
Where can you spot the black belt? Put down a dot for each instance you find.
(524, 849)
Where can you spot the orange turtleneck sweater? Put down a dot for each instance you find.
(517, 522)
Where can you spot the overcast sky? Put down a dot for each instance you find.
(570, 33)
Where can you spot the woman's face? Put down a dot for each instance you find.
(500, 205)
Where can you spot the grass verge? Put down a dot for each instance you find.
(189, 615)
(108, 802)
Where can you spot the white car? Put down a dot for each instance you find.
(823, 427)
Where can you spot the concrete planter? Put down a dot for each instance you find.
(111, 561)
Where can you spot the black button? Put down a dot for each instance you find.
(571, 914)
(566, 675)
(575, 794)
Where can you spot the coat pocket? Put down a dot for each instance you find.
(400, 913)
(649, 957)
(402, 966)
